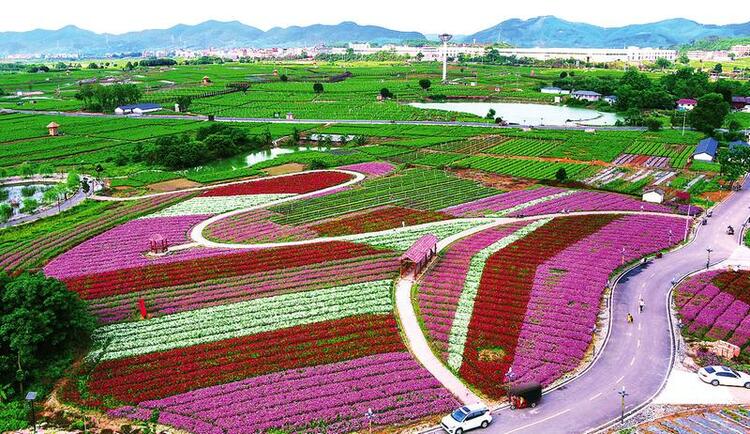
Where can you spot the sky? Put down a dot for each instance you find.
(407, 15)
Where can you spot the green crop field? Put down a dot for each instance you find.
(419, 189)
(525, 168)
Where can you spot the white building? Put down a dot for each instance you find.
(686, 104)
(586, 95)
(653, 196)
(137, 109)
(594, 55)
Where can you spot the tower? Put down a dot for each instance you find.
(444, 38)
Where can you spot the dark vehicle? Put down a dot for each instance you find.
(705, 222)
(710, 213)
(730, 230)
(525, 395)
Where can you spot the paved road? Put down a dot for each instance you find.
(637, 356)
(319, 121)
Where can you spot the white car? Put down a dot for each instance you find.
(466, 418)
(721, 375)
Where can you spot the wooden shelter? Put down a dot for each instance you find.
(52, 128)
(158, 245)
(418, 255)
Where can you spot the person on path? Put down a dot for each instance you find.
(641, 304)
(630, 318)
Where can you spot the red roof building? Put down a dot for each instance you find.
(419, 254)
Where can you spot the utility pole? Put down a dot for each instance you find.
(708, 257)
(622, 394)
(684, 119)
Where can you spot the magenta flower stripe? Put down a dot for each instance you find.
(332, 397)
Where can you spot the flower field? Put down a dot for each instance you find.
(591, 201)
(27, 247)
(716, 305)
(376, 168)
(293, 184)
(377, 220)
(527, 297)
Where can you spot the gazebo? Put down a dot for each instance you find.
(158, 245)
(419, 254)
(52, 128)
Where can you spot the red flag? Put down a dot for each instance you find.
(142, 308)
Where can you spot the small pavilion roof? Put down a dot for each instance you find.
(53, 125)
(421, 248)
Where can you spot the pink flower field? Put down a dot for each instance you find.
(716, 305)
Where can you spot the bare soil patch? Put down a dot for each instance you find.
(173, 185)
(285, 169)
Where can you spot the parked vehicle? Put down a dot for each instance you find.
(525, 395)
(705, 221)
(467, 418)
(730, 230)
(710, 213)
(724, 376)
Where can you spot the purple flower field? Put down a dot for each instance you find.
(500, 202)
(710, 312)
(377, 168)
(592, 201)
(126, 245)
(566, 296)
(331, 398)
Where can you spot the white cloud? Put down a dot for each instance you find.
(419, 15)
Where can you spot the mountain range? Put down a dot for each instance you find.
(545, 31)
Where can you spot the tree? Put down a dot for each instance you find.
(184, 102)
(663, 63)
(653, 124)
(41, 324)
(709, 114)
(73, 182)
(6, 212)
(93, 65)
(735, 162)
(490, 114)
(425, 83)
(283, 78)
(318, 88)
(563, 74)
(129, 66)
(718, 68)
(561, 174)
(684, 59)
(385, 93)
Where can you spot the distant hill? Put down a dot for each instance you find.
(546, 31)
(550, 31)
(210, 34)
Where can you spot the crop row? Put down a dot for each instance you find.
(228, 264)
(524, 168)
(184, 329)
(196, 295)
(426, 190)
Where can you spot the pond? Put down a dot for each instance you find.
(14, 195)
(528, 114)
(257, 157)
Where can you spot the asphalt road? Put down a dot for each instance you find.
(317, 121)
(636, 356)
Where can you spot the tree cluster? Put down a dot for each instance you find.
(157, 62)
(100, 98)
(42, 324)
(210, 143)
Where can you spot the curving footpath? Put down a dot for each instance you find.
(636, 356)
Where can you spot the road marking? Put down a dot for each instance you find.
(639, 326)
(595, 396)
(638, 344)
(538, 422)
(619, 379)
(632, 361)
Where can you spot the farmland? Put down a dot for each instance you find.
(257, 292)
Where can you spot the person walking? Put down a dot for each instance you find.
(630, 318)
(641, 304)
